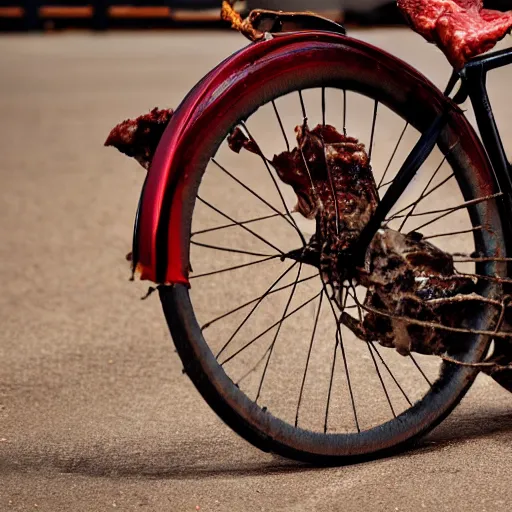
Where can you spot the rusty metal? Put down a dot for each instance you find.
(262, 21)
(229, 14)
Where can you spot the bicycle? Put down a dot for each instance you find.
(383, 297)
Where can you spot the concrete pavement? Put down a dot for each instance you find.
(95, 413)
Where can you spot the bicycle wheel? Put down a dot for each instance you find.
(260, 332)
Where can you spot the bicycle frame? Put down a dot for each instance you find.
(474, 85)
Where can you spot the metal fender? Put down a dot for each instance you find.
(160, 243)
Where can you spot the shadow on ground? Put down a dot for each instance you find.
(187, 460)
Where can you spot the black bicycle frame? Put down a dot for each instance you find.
(474, 85)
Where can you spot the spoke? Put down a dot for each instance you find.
(462, 297)
(344, 112)
(431, 221)
(422, 195)
(227, 249)
(481, 277)
(492, 366)
(354, 296)
(375, 107)
(281, 126)
(302, 106)
(259, 237)
(390, 372)
(391, 158)
(420, 369)
(331, 186)
(421, 198)
(323, 106)
(248, 344)
(466, 259)
(381, 379)
(453, 208)
(266, 162)
(248, 316)
(308, 358)
(309, 174)
(435, 325)
(345, 300)
(333, 366)
(345, 364)
(221, 317)
(272, 345)
(236, 267)
(232, 224)
(264, 201)
(451, 233)
(368, 344)
(385, 184)
(253, 369)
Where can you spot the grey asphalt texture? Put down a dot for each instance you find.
(95, 414)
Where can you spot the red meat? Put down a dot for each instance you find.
(462, 29)
(139, 137)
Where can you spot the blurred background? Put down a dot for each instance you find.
(143, 14)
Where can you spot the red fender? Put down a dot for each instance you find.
(160, 241)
